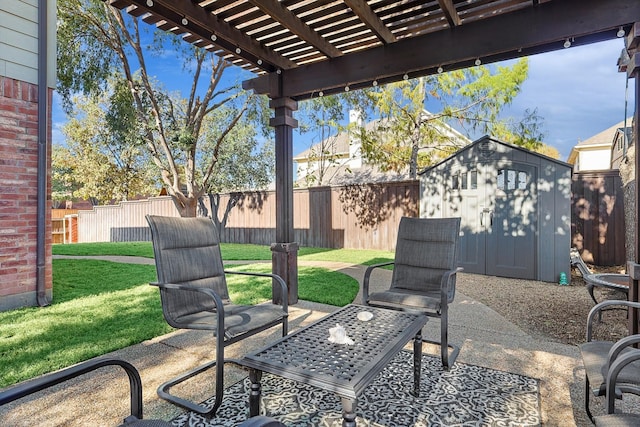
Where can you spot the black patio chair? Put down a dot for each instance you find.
(135, 419)
(615, 391)
(424, 274)
(194, 295)
(612, 281)
(604, 362)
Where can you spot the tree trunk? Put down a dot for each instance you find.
(187, 206)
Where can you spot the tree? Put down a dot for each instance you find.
(106, 160)
(63, 177)
(407, 136)
(98, 44)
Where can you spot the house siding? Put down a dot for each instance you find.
(19, 40)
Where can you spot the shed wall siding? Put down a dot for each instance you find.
(553, 236)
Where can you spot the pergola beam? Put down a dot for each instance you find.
(296, 26)
(202, 24)
(450, 12)
(533, 30)
(371, 20)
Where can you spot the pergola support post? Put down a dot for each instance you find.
(285, 251)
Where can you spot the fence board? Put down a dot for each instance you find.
(597, 217)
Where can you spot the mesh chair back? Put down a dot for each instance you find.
(187, 251)
(426, 248)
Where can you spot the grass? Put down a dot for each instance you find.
(101, 306)
(230, 252)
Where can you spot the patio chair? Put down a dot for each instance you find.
(603, 361)
(135, 392)
(194, 295)
(612, 281)
(424, 274)
(614, 391)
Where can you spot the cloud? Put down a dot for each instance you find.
(578, 91)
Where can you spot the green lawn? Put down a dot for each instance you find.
(230, 252)
(101, 306)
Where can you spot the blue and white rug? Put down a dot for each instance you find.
(466, 395)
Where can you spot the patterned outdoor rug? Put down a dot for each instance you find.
(466, 395)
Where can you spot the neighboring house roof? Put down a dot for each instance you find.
(339, 144)
(602, 140)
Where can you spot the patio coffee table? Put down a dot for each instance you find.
(307, 355)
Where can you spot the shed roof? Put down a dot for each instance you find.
(487, 138)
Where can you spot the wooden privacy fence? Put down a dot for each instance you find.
(597, 217)
(362, 216)
(358, 216)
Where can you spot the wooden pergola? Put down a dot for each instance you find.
(299, 49)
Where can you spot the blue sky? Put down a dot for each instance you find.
(578, 92)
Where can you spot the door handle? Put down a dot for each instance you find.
(486, 211)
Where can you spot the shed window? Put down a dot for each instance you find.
(473, 177)
(509, 179)
(463, 179)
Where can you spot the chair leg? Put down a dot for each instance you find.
(447, 359)
(163, 390)
(587, 395)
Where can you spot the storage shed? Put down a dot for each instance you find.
(515, 207)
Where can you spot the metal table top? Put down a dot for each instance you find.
(307, 355)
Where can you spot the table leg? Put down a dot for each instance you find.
(254, 395)
(349, 412)
(417, 363)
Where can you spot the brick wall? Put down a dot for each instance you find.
(18, 194)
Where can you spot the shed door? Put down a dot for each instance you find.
(498, 210)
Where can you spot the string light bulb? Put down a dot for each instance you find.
(620, 32)
(567, 44)
(185, 21)
(374, 83)
(259, 61)
(150, 3)
(238, 50)
(478, 62)
(346, 88)
(214, 37)
(440, 70)
(405, 77)
(321, 93)
(279, 71)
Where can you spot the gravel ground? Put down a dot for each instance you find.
(549, 310)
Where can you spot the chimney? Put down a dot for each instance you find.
(355, 154)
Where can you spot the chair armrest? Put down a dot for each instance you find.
(620, 345)
(448, 286)
(603, 305)
(280, 280)
(614, 391)
(209, 292)
(49, 380)
(366, 278)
